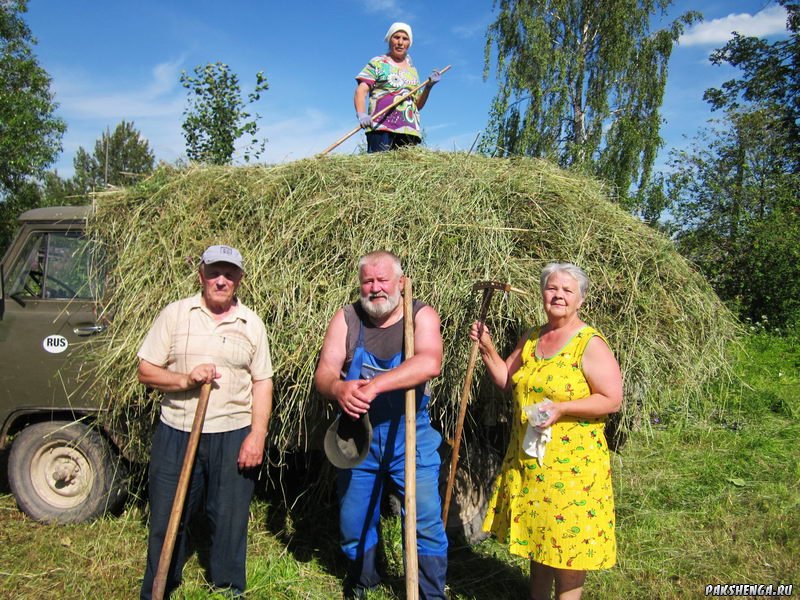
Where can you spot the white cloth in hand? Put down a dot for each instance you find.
(535, 442)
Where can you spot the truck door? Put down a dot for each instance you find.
(49, 314)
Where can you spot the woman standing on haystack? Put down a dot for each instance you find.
(380, 82)
(553, 501)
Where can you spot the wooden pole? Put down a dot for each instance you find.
(160, 581)
(462, 412)
(380, 113)
(412, 566)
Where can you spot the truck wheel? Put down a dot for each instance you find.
(65, 472)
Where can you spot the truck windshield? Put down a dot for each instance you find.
(53, 265)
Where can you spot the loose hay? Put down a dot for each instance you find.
(453, 219)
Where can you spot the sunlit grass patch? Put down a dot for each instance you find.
(712, 499)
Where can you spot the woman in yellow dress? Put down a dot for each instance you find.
(553, 502)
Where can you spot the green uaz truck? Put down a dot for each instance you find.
(61, 466)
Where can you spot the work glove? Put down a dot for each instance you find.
(434, 78)
(364, 120)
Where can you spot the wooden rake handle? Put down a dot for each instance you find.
(160, 581)
(412, 563)
(462, 410)
(380, 113)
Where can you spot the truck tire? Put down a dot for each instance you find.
(65, 472)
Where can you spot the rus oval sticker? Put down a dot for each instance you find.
(55, 344)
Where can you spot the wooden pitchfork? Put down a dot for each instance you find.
(160, 581)
(412, 563)
(488, 288)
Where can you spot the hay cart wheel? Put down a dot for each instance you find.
(472, 491)
(63, 472)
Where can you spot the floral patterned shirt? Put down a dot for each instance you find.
(386, 80)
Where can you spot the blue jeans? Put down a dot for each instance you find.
(216, 485)
(381, 141)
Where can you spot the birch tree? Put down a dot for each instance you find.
(217, 115)
(581, 83)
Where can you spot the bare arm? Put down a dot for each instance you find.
(165, 380)
(360, 97)
(327, 377)
(423, 366)
(251, 452)
(422, 97)
(605, 382)
(499, 370)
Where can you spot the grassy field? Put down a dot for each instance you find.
(705, 498)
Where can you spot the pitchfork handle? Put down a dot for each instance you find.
(462, 411)
(160, 581)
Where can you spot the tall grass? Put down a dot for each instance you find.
(711, 499)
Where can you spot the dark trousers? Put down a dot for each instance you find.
(217, 486)
(381, 141)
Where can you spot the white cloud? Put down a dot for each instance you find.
(390, 8)
(165, 76)
(120, 105)
(438, 127)
(382, 6)
(476, 28)
(297, 137)
(471, 78)
(771, 20)
(161, 96)
(90, 106)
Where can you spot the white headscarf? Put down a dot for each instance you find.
(395, 27)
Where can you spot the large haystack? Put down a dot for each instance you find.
(453, 218)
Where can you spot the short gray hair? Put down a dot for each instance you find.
(573, 271)
(374, 257)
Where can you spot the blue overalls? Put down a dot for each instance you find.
(361, 488)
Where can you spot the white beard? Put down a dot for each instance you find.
(378, 311)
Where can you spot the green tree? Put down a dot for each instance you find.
(27, 195)
(736, 207)
(770, 77)
(581, 83)
(57, 191)
(30, 133)
(217, 115)
(736, 192)
(117, 159)
(50, 190)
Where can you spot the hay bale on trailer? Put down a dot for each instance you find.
(453, 219)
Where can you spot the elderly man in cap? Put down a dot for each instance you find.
(361, 367)
(208, 338)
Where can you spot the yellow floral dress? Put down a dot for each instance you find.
(561, 513)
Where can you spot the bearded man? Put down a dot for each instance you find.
(361, 367)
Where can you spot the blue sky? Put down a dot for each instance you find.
(122, 60)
